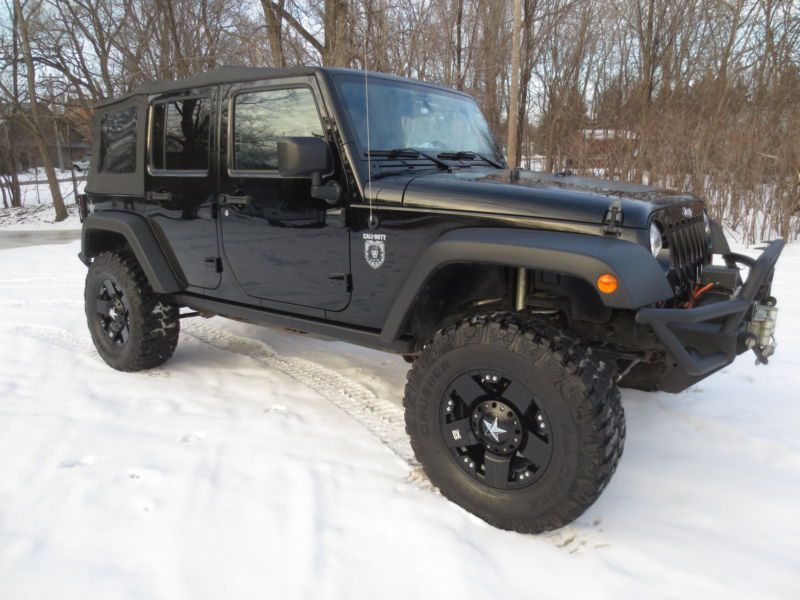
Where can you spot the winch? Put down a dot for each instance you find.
(761, 330)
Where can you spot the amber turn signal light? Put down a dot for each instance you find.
(607, 283)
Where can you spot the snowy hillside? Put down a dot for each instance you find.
(257, 464)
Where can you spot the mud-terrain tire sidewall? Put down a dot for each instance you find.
(154, 323)
(588, 431)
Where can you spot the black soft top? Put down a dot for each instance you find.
(235, 74)
(132, 182)
(209, 78)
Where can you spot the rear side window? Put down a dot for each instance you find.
(260, 118)
(118, 142)
(179, 135)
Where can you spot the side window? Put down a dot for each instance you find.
(179, 135)
(118, 142)
(260, 118)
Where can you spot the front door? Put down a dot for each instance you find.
(283, 245)
(181, 184)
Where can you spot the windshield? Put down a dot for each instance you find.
(405, 115)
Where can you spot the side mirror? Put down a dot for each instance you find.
(302, 156)
(308, 157)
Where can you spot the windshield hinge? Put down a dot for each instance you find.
(612, 221)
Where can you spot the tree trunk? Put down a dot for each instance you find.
(459, 44)
(513, 94)
(39, 135)
(274, 20)
(335, 33)
(11, 131)
(15, 191)
(526, 70)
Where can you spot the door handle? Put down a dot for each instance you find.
(335, 216)
(344, 279)
(159, 196)
(234, 199)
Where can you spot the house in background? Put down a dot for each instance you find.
(69, 137)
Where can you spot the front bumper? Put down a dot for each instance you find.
(702, 340)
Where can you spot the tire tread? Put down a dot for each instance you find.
(159, 318)
(585, 381)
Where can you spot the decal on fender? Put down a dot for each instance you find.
(375, 249)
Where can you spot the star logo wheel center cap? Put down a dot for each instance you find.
(492, 429)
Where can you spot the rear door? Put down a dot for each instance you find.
(181, 182)
(282, 244)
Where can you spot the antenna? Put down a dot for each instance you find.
(373, 223)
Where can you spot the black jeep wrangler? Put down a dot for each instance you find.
(380, 211)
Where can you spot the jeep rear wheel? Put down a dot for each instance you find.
(514, 421)
(132, 327)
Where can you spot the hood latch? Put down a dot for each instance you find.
(612, 221)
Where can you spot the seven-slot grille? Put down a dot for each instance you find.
(685, 238)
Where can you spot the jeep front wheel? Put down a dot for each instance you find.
(132, 327)
(514, 421)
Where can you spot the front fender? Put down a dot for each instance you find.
(642, 280)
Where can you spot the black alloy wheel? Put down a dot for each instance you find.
(113, 311)
(495, 429)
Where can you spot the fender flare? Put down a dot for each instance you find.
(642, 280)
(142, 241)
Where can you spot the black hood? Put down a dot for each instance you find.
(541, 195)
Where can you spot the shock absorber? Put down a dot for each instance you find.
(522, 288)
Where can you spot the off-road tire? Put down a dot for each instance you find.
(154, 324)
(578, 391)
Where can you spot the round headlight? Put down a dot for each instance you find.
(655, 239)
(707, 224)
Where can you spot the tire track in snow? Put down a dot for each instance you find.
(39, 286)
(39, 303)
(54, 279)
(55, 336)
(67, 340)
(382, 418)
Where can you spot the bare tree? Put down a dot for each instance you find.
(695, 94)
(513, 94)
(31, 116)
(273, 15)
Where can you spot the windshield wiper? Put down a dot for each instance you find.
(469, 154)
(408, 153)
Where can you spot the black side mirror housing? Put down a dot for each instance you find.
(308, 157)
(303, 156)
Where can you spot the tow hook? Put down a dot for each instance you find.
(761, 331)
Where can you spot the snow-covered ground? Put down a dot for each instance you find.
(36, 212)
(260, 464)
